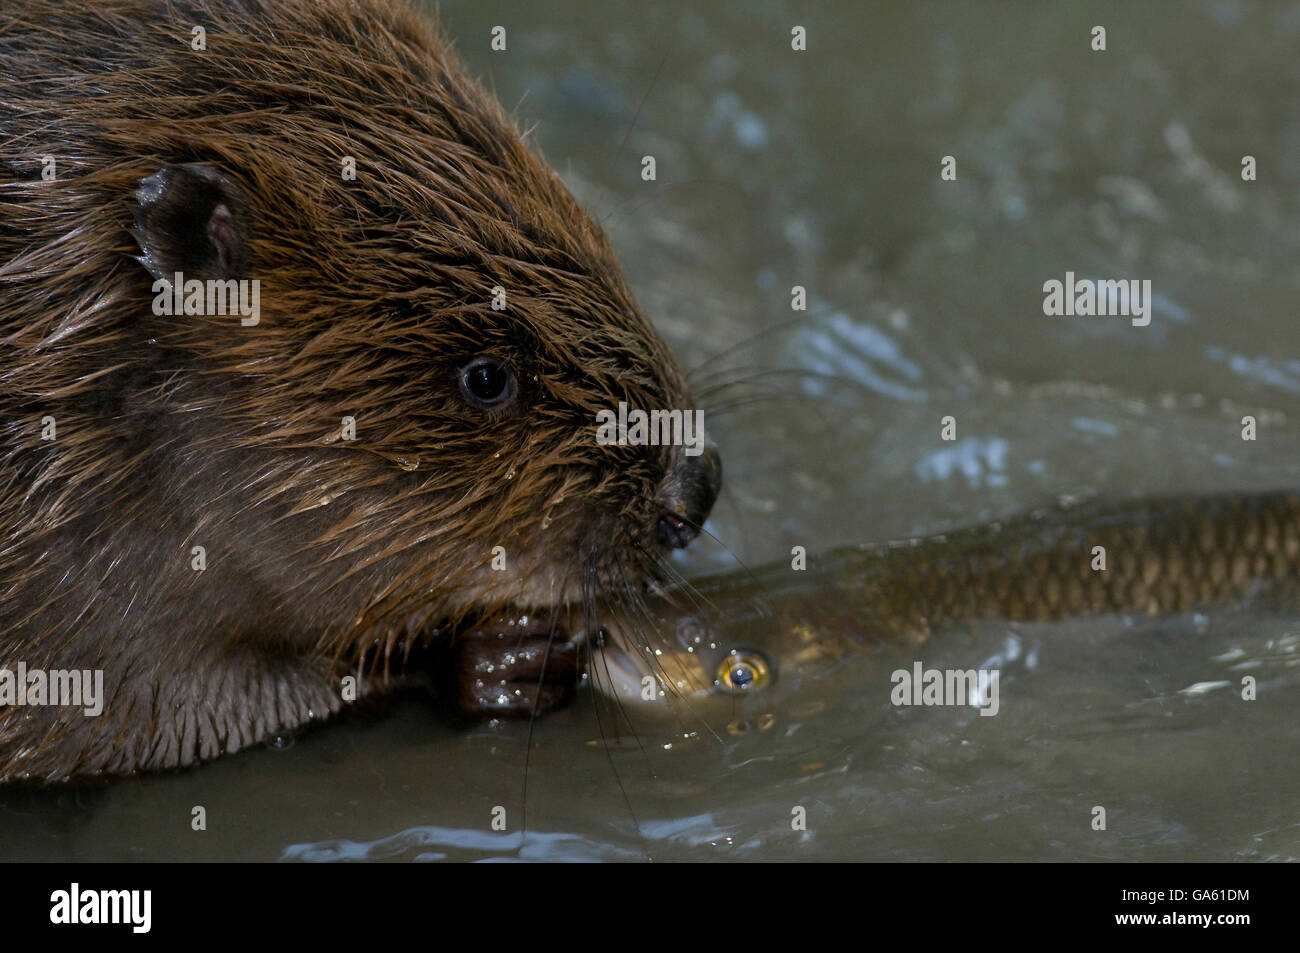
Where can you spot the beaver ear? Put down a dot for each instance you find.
(194, 220)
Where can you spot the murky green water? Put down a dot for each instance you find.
(821, 169)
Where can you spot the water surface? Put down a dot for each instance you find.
(821, 169)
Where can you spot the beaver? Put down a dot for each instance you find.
(230, 516)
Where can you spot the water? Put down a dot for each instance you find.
(821, 169)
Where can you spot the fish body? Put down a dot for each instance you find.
(735, 632)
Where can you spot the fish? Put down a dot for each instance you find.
(738, 633)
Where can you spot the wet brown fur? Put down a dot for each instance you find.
(324, 557)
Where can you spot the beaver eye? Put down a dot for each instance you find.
(486, 382)
(743, 670)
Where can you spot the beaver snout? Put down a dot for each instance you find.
(687, 496)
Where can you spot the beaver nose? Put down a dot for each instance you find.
(687, 496)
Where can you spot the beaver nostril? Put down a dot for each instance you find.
(688, 493)
(675, 531)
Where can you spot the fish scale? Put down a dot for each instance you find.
(1163, 556)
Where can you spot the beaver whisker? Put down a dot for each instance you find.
(640, 630)
(757, 373)
(532, 725)
(756, 337)
(591, 619)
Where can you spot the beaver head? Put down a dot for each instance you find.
(438, 325)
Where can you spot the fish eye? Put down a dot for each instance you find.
(487, 382)
(742, 671)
